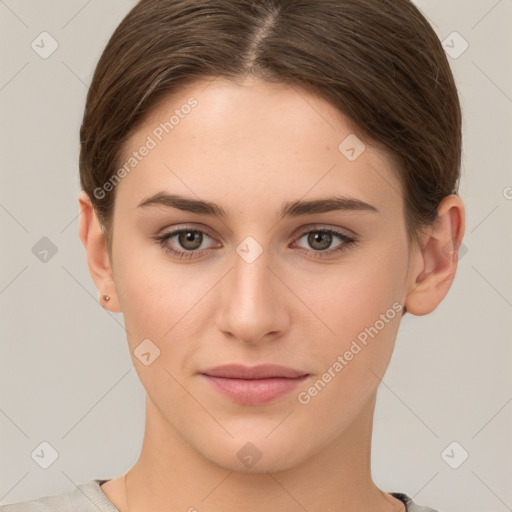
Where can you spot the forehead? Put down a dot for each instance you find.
(255, 140)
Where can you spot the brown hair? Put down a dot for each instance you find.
(379, 62)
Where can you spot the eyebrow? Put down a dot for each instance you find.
(290, 209)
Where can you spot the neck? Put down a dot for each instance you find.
(171, 476)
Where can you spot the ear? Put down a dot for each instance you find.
(98, 259)
(435, 263)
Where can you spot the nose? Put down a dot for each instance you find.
(253, 301)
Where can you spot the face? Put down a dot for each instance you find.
(318, 290)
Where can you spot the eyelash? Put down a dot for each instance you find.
(161, 240)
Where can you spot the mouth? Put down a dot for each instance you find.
(254, 385)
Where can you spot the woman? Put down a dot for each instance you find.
(268, 186)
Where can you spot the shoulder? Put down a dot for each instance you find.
(55, 503)
(86, 497)
(409, 503)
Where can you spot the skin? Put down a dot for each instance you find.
(250, 148)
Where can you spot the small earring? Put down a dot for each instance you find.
(106, 298)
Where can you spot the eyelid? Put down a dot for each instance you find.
(346, 241)
(183, 227)
(324, 227)
(299, 232)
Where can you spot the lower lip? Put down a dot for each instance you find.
(254, 391)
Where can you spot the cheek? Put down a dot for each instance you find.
(353, 297)
(160, 300)
(354, 359)
(358, 309)
(146, 290)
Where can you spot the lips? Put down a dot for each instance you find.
(264, 371)
(254, 385)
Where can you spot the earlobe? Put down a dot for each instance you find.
(98, 259)
(435, 264)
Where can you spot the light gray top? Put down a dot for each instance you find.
(89, 497)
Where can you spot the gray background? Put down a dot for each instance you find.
(65, 372)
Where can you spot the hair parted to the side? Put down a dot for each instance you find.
(379, 62)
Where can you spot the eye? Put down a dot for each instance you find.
(188, 238)
(187, 242)
(321, 240)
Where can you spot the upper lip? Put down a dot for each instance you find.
(263, 371)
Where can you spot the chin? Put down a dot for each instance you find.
(255, 454)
